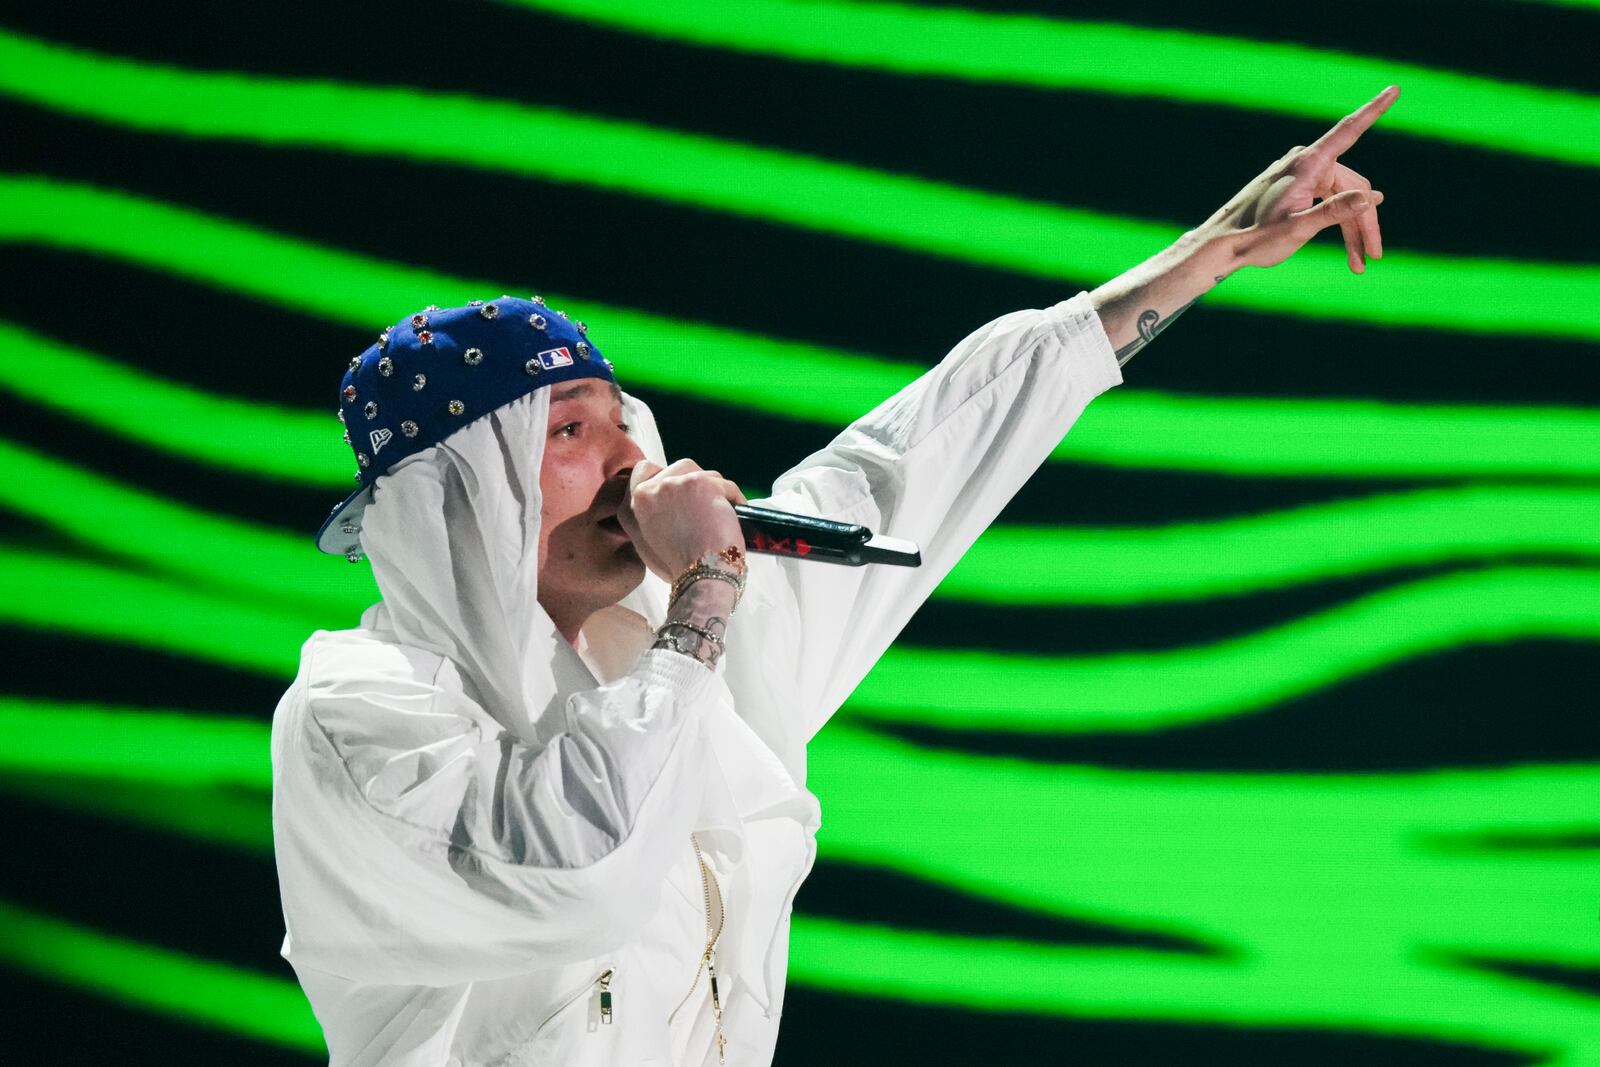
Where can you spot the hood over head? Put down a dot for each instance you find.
(446, 415)
(452, 534)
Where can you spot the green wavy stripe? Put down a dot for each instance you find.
(1316, 879)
(953, 688)
(52, 593)
(1146, 691)
(993, 974)
(204, 777)
(1190, 852)
(225, 816)
(207, 427)
(1215, 856)
(1076, 246)
(1008, 565)
(1056, 53)
(273, 567)
(136, 745)
(1393, 818)
(1394, 814)
(369, 293)
(1139, 429)
(1125, 566)
(160, 980)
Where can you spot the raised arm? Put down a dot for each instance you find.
(936, 462)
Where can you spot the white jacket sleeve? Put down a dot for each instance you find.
(417, 843)
(934, 464)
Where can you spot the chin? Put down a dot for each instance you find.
(623, 571)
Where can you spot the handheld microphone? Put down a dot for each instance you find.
(782, 533)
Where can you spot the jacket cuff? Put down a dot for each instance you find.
(687, 678)
(1093, 361)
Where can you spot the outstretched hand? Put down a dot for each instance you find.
(1269, 219)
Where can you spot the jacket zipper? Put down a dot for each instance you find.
(603, 982)
(708, 957)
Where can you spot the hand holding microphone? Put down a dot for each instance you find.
(675, 515)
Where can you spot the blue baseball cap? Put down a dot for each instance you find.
(436, 371)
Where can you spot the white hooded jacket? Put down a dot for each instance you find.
(478, 826)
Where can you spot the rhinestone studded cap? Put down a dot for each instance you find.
(440, 369)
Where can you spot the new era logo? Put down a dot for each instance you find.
(551, 358)
(379, 439)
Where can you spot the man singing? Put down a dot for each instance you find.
(547, 803)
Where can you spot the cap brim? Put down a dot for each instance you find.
(340, 534)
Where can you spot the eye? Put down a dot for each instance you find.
(573, 426)
(624, 427)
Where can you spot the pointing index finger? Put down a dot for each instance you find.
(1344, 134)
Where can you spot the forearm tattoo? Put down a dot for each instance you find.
(697, 622)
(1149, 324)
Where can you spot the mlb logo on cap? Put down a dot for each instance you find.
(551, 358)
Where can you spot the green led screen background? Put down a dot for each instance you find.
(1260, 729)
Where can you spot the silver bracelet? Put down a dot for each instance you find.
(707, 637)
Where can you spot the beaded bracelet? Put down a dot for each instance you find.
(726, 565)
(699, 571)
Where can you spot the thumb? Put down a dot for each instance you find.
(643, 471)
(1341, 208)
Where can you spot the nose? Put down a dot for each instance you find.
(625, 452)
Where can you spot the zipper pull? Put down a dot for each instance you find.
(605, 996)
(716, 1011)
